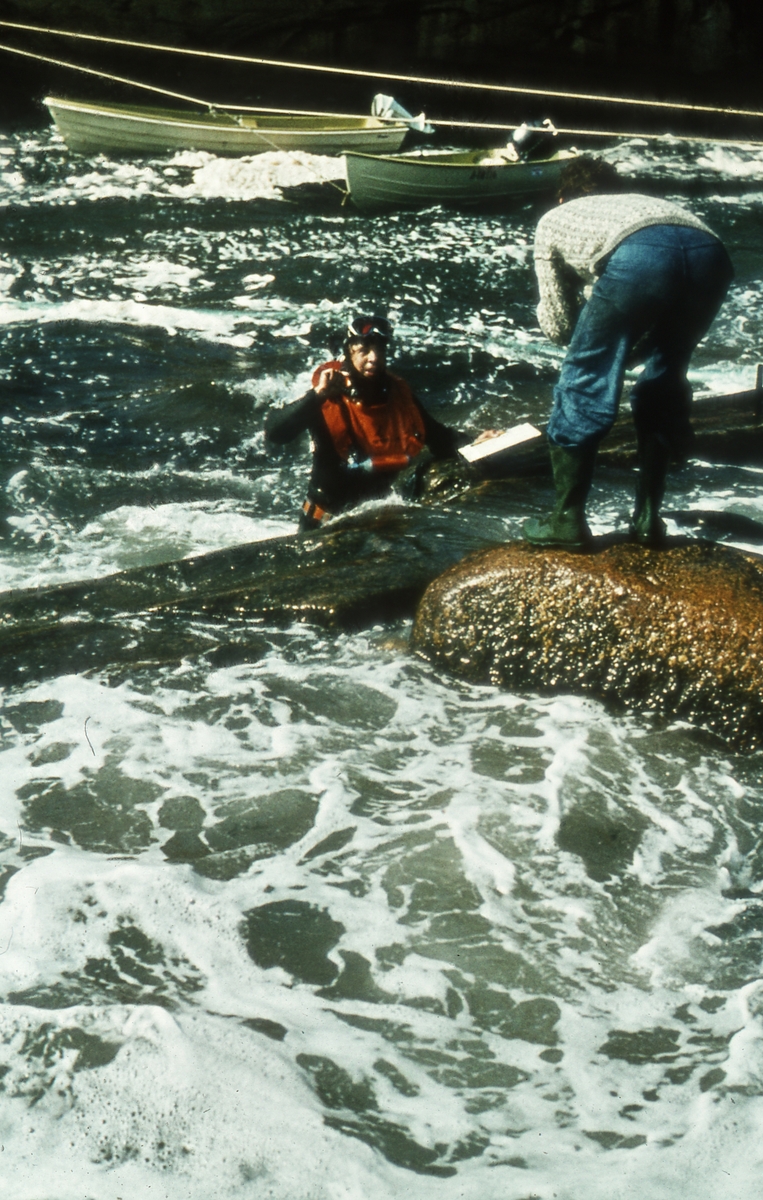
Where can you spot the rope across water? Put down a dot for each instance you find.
(377, 75)
(392, 76)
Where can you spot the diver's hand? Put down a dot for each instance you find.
(487, 434)
(332, 383)
(356, 463)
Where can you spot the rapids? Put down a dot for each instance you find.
(293, 915)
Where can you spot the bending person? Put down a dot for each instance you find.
(365, 423)
(620, 275)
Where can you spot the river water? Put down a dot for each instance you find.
(301, 917)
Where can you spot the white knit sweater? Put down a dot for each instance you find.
(572, 240)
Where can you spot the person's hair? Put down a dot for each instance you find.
(587, 176)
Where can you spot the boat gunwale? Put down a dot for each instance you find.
(279, 123)
(437, 160)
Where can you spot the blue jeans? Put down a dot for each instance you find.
(663, 284)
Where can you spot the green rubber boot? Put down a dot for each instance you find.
(566, 526)
(647, 526)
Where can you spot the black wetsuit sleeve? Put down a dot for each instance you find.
(441, 439)
(284, 424)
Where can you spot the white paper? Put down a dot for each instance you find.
(502, 441)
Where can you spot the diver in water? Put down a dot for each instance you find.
(365, 425)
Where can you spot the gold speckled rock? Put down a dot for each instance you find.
(678, 630)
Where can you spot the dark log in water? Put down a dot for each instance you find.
(359, 571)
(726, 428)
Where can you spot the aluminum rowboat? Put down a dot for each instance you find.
(459, 178)
(135, 129)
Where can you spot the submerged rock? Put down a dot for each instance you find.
(364, 568)
(677, 631)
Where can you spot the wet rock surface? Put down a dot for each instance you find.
(677, 631)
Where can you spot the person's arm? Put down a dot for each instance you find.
(442, 440)
(559, 300)
(559, 287)
(284, 424)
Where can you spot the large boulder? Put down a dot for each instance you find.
(677, 631)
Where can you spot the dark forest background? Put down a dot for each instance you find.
(695, 51)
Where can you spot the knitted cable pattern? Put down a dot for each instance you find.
(573, 239)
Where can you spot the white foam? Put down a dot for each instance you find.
(257, 176)
(466, 822)
(131, 533)
(217, 326)
(415, 789)
(132, 536)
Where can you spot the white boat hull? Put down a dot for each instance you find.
(121, 129)
(458, 178)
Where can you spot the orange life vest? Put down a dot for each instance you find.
(389, 433)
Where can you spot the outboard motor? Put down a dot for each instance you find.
(388, 107)
(534, 139)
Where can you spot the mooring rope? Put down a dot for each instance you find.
(305, 112)
(258, 133)
(147, 87)
(206, 104)
(546, 93)
(621, 134)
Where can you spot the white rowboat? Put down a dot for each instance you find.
(136, 129)
(459, 178)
